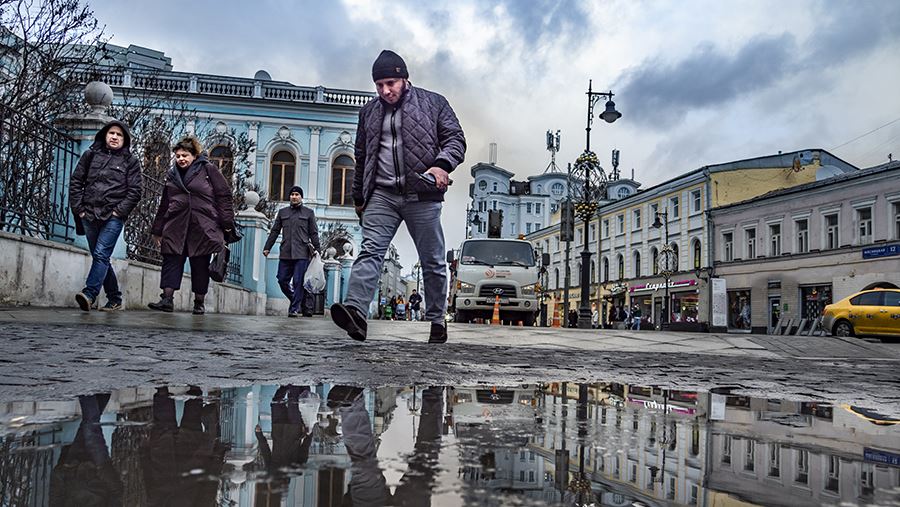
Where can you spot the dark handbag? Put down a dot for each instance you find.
(233, 235)
(218, 267)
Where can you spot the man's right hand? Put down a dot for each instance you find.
(158, 241)
(265, 253)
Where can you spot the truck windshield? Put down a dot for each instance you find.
(497, 253)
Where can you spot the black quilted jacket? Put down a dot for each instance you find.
(431, 137)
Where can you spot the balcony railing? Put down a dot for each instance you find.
(222, 86)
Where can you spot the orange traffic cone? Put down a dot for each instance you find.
(555, 315)
(495, 319)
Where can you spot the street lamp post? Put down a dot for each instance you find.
(593, 186)
(418, 267)
(665, 261)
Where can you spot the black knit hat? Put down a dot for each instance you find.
(387, 65)
(297, 189)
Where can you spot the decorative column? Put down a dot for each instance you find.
(255, 227)
(346, 264)
(332, 278)
(312, 187)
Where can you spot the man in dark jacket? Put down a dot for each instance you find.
(104, 189)
(407, 142)
(415, 305)
(299, 241)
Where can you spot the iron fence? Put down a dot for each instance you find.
(235, 260)
(138, 239)
(36, 162)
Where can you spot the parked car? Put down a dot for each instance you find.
(870, 312)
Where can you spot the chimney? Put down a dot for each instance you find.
(492, 154)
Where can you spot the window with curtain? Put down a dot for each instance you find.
(282, 175)
(342, 171)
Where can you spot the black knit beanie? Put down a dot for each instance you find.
(388, 65)
(297, 189)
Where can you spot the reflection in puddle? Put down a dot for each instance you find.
(549, 444)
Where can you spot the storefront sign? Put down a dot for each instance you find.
(656, 286)
(618, 288)
(719, 302)
(881, 251)
(655, 405)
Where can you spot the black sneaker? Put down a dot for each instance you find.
(438, 333)
(199, 309)
(112, 306)
(350, 320)
(84, 302)
(307, 314)
(343, 396)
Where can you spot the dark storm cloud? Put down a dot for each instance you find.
(660, 94)
(535, 20)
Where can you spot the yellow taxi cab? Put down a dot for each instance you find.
(870, 312)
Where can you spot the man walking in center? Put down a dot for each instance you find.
(408, 141)
(299, 241)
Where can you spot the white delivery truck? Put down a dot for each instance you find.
(491, 267)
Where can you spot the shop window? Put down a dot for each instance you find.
(739, 309)
(637, 264)
(864, 226)
(685, 307)
(282, 175)
(814, 299)
(802, 227)
(728, 246)
(342, 171)
(832, 233)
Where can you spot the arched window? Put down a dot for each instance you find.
(675, 259)
(605, 269)
(637, 264)
(621, 266)
(282, 176)
(342, 171)
(696, 249)
(223, 157)
(654, 260)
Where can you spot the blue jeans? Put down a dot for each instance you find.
(380, 222)
(102, 236)
(293, 270)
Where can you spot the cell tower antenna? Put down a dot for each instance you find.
(553, 148)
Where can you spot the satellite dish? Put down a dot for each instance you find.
(827, 171)
(262, 75)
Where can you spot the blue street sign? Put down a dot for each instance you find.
(881, 251)
(883, 457)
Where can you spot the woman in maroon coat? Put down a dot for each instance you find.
(195, 210)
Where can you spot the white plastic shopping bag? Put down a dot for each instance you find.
(314, 281)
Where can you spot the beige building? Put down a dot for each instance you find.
(790, 252)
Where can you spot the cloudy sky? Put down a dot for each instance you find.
(697, 82)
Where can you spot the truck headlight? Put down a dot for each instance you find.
(465, 287)
(528, 290)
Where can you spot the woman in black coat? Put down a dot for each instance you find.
(194, 213)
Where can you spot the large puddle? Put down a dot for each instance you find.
(549, 444)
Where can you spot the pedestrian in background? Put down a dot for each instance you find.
(415, 302)
(407, 142)
(636, 318)
(299, 242)
(401, 308)
(195, 212)
(103, 190)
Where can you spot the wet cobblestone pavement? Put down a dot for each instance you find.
(55, 354)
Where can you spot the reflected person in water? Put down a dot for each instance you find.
(173, 453)
(368, 486)
(289, 451)
(84, 475)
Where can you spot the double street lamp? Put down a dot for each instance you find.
(472, 218)
(591, 190)
(665, 262)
